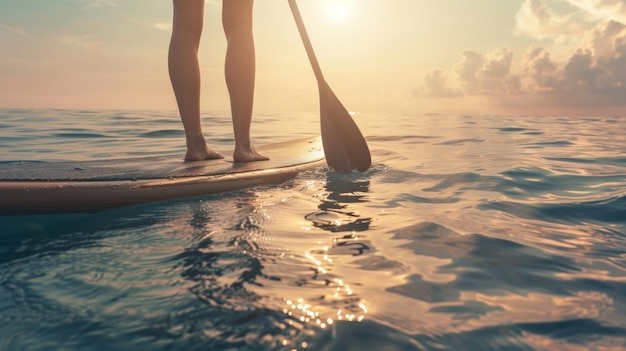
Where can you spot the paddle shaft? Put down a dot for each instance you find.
(306, 41)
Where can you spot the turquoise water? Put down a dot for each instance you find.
(468, 233)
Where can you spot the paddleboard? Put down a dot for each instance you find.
(86, 186)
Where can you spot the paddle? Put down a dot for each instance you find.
(344, 145)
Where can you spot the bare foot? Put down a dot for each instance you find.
(198, 150)
(201, 155)
(248, 155)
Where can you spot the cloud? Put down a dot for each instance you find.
(82, 41)
(162, 25)
(537, 20)
(595, 74)
(488, 74)
(604, 39)
(16, 31)
(540, 70)
(603, 10)
(99, 3)
(436, 86)
(591, 75)
(476, 74)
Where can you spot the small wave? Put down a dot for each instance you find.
(80, 135)
(480, 181)
(394, 176)
(408, 139)
(550, 335)
(462, 141)
(19, 162)
(414, 199)
(329, 221)
(512, 129)
(165, 133)
(611, 161)
(551, 143)
(607, 210)
(533, 183)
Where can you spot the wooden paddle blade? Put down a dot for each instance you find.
(344, 145)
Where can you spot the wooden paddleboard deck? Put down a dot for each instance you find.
(58, 187)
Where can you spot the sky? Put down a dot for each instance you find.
(514, 57)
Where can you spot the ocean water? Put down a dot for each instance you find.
(467, 233)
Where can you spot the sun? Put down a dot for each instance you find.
(339, 11)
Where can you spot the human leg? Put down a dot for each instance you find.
(185, 74)
(240, 74)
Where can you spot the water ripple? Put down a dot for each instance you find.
(606, 210)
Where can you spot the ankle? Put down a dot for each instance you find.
(194, 136)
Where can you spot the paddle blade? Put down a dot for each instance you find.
(344, 145)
